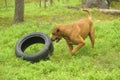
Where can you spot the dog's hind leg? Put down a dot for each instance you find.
(92, 36)
(81, 43)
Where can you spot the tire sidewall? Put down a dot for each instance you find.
(48, 48)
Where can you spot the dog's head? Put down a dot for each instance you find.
(56, 35)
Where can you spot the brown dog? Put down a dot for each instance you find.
(75, 33)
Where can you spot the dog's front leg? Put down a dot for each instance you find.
(70, 47)
(81, 43)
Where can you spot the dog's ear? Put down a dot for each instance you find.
(57, 30)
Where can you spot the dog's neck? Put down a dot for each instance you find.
(64, 34)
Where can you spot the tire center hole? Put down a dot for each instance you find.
(34, 48)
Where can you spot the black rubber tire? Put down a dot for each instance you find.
(32, 38)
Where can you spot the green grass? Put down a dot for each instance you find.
(101, 63)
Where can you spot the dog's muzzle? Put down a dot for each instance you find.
(56, 39)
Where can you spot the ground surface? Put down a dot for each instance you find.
(102, 63)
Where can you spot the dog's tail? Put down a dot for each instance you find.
(89, 14)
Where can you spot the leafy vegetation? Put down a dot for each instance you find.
(101, 63)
